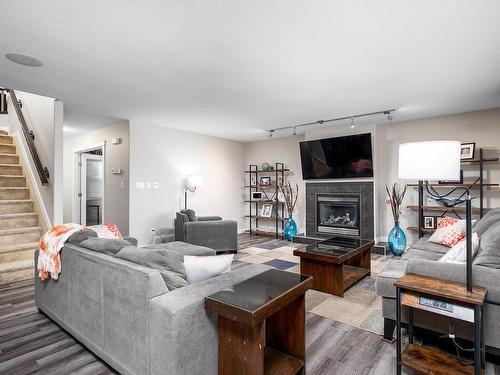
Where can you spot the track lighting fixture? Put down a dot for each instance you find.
(386, 113)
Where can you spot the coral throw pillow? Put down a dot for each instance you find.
(107, 231)
(449, 232)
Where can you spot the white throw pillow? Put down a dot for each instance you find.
(457, 254)
(200, 268)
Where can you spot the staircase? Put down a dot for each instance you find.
(20, 229)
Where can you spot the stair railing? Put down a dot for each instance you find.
(43, 172)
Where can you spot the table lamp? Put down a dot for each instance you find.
(433, 161)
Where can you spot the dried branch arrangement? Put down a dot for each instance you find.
(290, 195)
(396, 196)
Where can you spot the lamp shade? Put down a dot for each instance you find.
(194, 181)
(431, 160)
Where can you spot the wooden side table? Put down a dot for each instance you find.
(446, 298)
(262, 324)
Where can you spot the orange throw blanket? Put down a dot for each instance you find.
(49, 260)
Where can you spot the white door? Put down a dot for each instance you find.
(91, 192)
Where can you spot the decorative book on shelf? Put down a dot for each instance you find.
(269, 209)
(477, 185)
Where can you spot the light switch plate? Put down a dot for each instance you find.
(139, 185)
(148, 185)
(156, 185)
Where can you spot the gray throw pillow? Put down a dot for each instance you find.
(190, 214)
(83, 235)
(169, 263)
(489, 248)
(106, 246)
(486, 222)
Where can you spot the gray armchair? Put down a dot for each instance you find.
(209, 231)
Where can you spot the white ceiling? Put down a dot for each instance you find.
(232, 68)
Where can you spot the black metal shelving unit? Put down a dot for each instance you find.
(271, 193)
(477, 184)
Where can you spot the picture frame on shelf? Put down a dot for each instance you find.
(429, 222)
(266, 210)
(467, 150)
(439, 219)
(265, 181)
(257, 195)
(451, 182)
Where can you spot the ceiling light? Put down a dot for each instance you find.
(26, 60)
(271, 133)
(388, 116)
(295, 131)
(352, 123)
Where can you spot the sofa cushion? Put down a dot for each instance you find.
(190, 214)
(421, 254)
(104, 245)
(183, 248)
(205, 267)
(489, 248)
(458, 253)
(78, 237)
(490, 218)
(449, 232)
(386, 279)
(424, 244)
(168, 263)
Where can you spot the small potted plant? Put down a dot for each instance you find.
(397, 238)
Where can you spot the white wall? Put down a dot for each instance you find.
(45, 117)
(167, 156)
(482, 127)
(117, 186)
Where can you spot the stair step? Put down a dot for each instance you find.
(16, 206)
(17, 252)
(9, 158)
(12, 181)
(15, 236)
(5, 148)
(16, 271)
(21, 220)
(3, 132)
(11, 169)
(14, 193)
(7, 139)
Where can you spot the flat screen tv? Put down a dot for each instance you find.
(340, 157)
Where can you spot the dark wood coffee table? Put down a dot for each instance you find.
(262, 324)
(335, 264)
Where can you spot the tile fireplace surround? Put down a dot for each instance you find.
(363, 189)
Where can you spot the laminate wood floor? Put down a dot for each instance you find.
(30, 343)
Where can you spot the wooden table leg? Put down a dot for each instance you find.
(241, 348)
(328, 277)
(366, 260)
(285, 330)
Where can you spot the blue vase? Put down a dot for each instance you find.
(290, 229)
(397, 240)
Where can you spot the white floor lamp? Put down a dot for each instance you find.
(434, 161)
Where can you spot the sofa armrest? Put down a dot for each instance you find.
(217, 235)
(208, 218)
(183, 335)
(481, 276)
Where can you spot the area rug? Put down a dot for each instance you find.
(361, 307)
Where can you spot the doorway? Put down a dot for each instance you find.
(90, 186)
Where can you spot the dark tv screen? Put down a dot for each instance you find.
(340, 157)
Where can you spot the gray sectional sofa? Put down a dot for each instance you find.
(422, 258)
(126, 315)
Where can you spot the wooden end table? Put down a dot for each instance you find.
(336, 264)
(262, 324)
(445, 298)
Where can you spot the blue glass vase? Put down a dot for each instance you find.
(397, 240)
(290, 229)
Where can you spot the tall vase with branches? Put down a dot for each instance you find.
(290, 196)
(397, 237)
